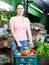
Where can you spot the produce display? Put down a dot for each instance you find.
(4, 59)
(27, 52)
(6, 15)
(42, 48)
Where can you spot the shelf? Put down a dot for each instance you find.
(6, 52)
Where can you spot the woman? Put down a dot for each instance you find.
(20, 28)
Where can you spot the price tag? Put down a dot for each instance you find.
(5, 43)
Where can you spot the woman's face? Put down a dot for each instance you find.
(20, 9)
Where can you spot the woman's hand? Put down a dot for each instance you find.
(31, 45)
(19, 44)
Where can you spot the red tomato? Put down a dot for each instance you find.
(32, 50)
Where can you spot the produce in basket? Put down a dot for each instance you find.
(27, 52)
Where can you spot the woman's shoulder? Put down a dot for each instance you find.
(27, 19)
(12, 19)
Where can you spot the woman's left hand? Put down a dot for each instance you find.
(31, 45)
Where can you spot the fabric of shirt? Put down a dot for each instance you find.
(20, 28)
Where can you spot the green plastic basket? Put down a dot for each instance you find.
(26, 60)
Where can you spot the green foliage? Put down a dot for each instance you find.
(13, 14)
(5, 15)
(42, 49)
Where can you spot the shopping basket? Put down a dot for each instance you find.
(26, 60)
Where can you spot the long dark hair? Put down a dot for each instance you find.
(19, 4)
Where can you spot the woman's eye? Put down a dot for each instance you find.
(20, 8)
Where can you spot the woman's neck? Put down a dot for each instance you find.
(20, 16)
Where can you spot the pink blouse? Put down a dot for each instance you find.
(20, 28)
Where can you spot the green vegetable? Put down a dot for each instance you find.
(42, 49)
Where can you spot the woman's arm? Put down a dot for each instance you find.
(30, 35)
(13, 33)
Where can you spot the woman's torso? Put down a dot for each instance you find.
(20, 28)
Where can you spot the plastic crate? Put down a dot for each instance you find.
(26, 60)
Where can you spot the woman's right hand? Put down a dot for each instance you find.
(19, 44)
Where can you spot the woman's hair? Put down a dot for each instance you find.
(19, 4)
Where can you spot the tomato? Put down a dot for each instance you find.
(27, 52)
(32, 50)
(21, 52)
